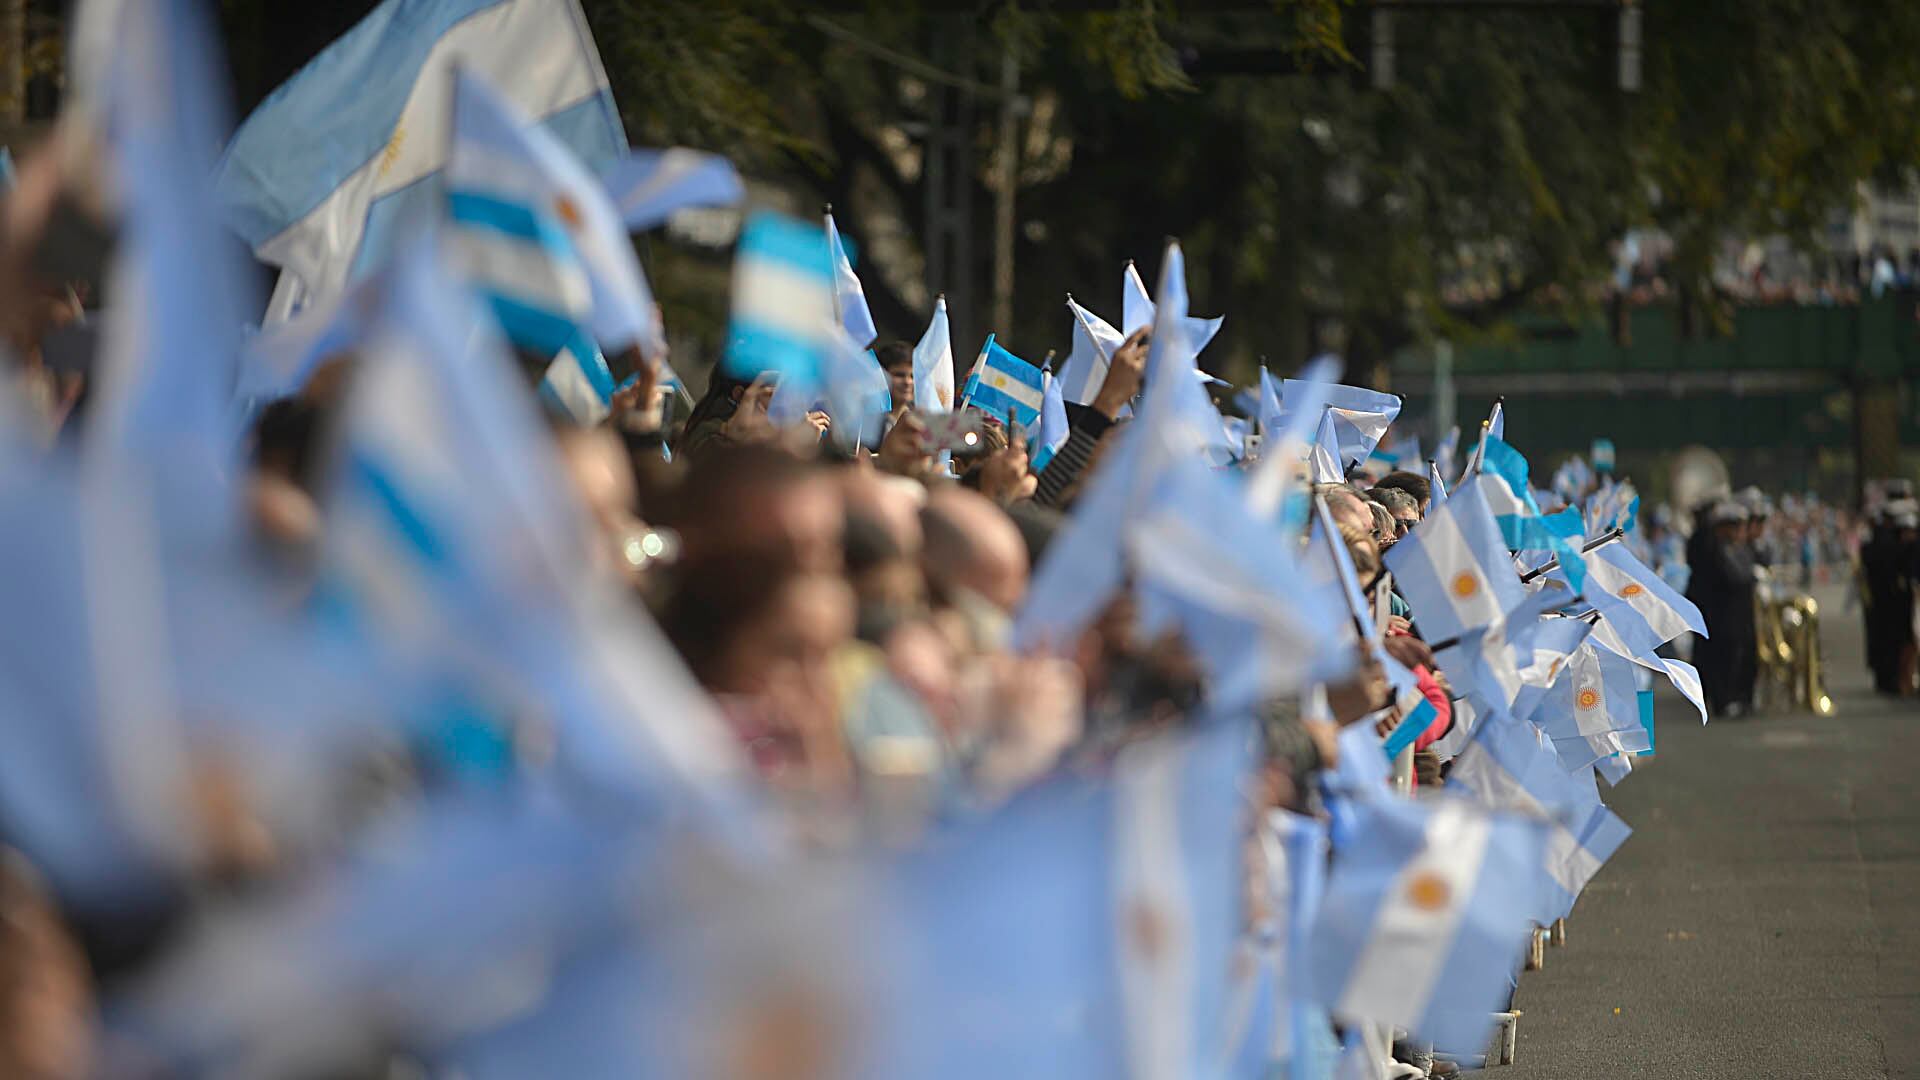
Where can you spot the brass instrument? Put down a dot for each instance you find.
(1788, 638)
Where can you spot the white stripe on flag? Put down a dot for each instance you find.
(523, 270)
(776, 295)
(1153, 915)
(1023, 392)
(1399, 972)
(1459, 573)
(574, 390)
(1569, 864)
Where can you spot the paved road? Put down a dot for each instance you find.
(1764, 920)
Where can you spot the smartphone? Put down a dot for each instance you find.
(963, 432)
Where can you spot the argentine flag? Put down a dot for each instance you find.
(1593, 710)
(933, 363)
(1137, 310)
(1436, 485)
(1094, 343)
(1509, 767)
(543, 244)
(849, 299)
(1005, 386)
(1643, 611)
(319, 178)
(1361, 416)
(1454, 569)
(1426, 912)
(782, 319)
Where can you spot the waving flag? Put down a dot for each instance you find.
(1453, 568)
(649, 186)
(1137, 310)
(1005, 386)
(454, 540)
(1360, 416)
(1426, 912)
(1504, 481)
(782, 318)
(1087, 564)
(1114, 899)
(1643, 611)
(849, 299)
(933, 363)
(1435, 484)
(1282, 1030)
(1508, 767)
(1593, 711)
(1094, 343)
(320, 177)
(1285, 443)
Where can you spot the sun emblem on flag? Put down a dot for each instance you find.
(1633, 589)
(1465, 584)
(391, 152)
(1148, 930)
(1429, 891)
(567, 212)
(945, 394)
(1587, 699)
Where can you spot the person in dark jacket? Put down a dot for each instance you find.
(1887, 571)
(1721, 585)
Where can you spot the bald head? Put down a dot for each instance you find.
(972, 544)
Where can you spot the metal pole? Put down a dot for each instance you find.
(1007, 175)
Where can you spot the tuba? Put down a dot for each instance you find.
(1787, 635)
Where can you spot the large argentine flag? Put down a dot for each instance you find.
(1425, 915)
(318, 178)
(1509, 767)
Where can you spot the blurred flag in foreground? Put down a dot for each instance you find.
(648, 186)
(1507, 767)
(1426, 912)
(782, 319)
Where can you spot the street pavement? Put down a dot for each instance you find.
(1764, 918)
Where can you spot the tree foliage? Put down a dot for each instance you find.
(1489, 178)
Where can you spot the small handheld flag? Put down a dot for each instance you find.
(1005, 386)
(849, 299)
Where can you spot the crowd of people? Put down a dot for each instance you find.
(468, 708)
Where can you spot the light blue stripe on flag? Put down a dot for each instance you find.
(1646, 717)
(417, 532)
(536, 328)
(473, 208)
